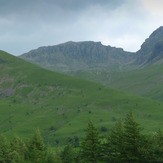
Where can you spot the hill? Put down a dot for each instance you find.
(32, 97)
(146, 81)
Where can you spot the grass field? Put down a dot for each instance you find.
(60, 106)
(147, 81)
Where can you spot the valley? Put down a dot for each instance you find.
(81, 81)
(60, 106)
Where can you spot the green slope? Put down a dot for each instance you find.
(147, 81)
(32, 97)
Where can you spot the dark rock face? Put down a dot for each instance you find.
(79, 55)
(152, 48)
(157, 50)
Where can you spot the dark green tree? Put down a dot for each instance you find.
(58, 156)
(37, 151)
(4, 150)
(133, 140)
(157, 146)
(68, 155)
(90, 146)
(18, 150)
(115, 146)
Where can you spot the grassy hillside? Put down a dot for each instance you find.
(32, 97)
(147, 81)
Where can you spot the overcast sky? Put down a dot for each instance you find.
(29, 24)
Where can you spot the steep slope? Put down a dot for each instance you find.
(32, 97)
(79, 56)
(152, 49)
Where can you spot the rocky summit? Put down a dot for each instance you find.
(152, 49)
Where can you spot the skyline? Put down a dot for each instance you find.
(27, 25)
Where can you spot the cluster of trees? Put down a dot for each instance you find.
(31, 151)
(124, 143)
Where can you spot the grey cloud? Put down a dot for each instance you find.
(48, 7)
(58, 12)
(28, 24)
(65, 4)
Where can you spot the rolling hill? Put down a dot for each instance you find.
(32, 97)
(146, 81)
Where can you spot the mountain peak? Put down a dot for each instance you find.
(80, 42)
(158, 31)
(152, 49)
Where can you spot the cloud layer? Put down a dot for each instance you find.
(25, 25)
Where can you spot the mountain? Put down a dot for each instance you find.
(79, 55)
(138, 73)
(152, 49)
(32, 97)
(72, 56)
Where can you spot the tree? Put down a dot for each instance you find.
(18, 150)
(68, 154)
(133, 140)
(90, 146)
(37, 152)
(157, 147)
(4, 150)
(57, 156)
(114, 146)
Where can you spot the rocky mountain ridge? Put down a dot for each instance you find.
(152, 49)
(74, 56)
(79, 55)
